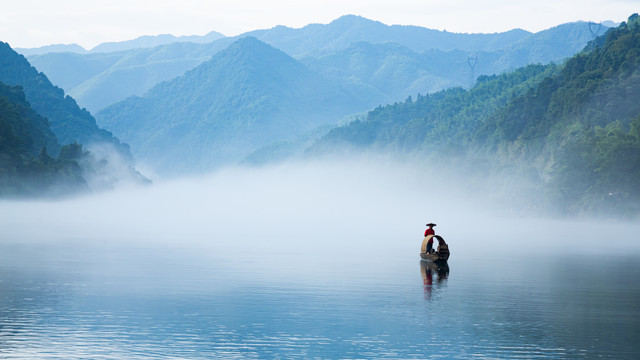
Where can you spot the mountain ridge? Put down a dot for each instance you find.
(98, 80)
(246, 95)
(144, 41)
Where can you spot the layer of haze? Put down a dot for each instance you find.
(321, 210)
(34, 23)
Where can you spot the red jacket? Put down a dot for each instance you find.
(428, 232)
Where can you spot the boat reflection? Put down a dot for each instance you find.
(428, 269)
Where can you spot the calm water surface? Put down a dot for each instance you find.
(137, 302)
(151, 275)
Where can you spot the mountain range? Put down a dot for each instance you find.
(97, 80)
(389, 72)
(568, 126)
(137, 43)
(571, 132)
(245, 96)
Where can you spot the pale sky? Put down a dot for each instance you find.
(33, 23)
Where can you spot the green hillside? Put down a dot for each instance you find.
(246, 96)
(26, 169)
(25, 132)
(68, 70)
(97, 80)
(68, 122)
(36, 118)
(434, 121)
(572, 128)
(580, 127)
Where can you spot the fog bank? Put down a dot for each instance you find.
(310, 207)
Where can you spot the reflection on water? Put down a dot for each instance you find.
(429, 269)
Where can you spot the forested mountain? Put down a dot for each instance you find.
(359, 52)
(99, 80)
(24, 132)
(574, 129)
(390, 72)
(33, 164)
(244, 97)
(67, 121)
(25, 165)
(68, 70)
(385, 72)
(36, 118)
(111, 72)
(437, 122)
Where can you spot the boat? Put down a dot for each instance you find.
(432, 256)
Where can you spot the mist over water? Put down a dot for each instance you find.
(294, 204)
(309, 260)
(292, 220)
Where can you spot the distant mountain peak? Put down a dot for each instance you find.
(248, 54)
(351, 17)
(354, 20)
(248, 40)
(54, 48)
(250, 45)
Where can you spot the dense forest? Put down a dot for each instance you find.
(573, 129)
(26, 168)
(35, 119)
(67, 120)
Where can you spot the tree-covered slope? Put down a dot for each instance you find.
(68, 70)
(32, 163)
(581, 126)
(26, 169)
(97, 80)
(384, 73)
(574, 127)
(244, 97)
(67, 121)
(24, 132)
(553, 44)
(445, 118)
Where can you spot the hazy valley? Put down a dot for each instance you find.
(498, 106)
(265, 195)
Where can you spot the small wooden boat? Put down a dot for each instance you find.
(433, 256)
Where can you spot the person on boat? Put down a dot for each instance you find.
(428, 232)
(443, 249)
